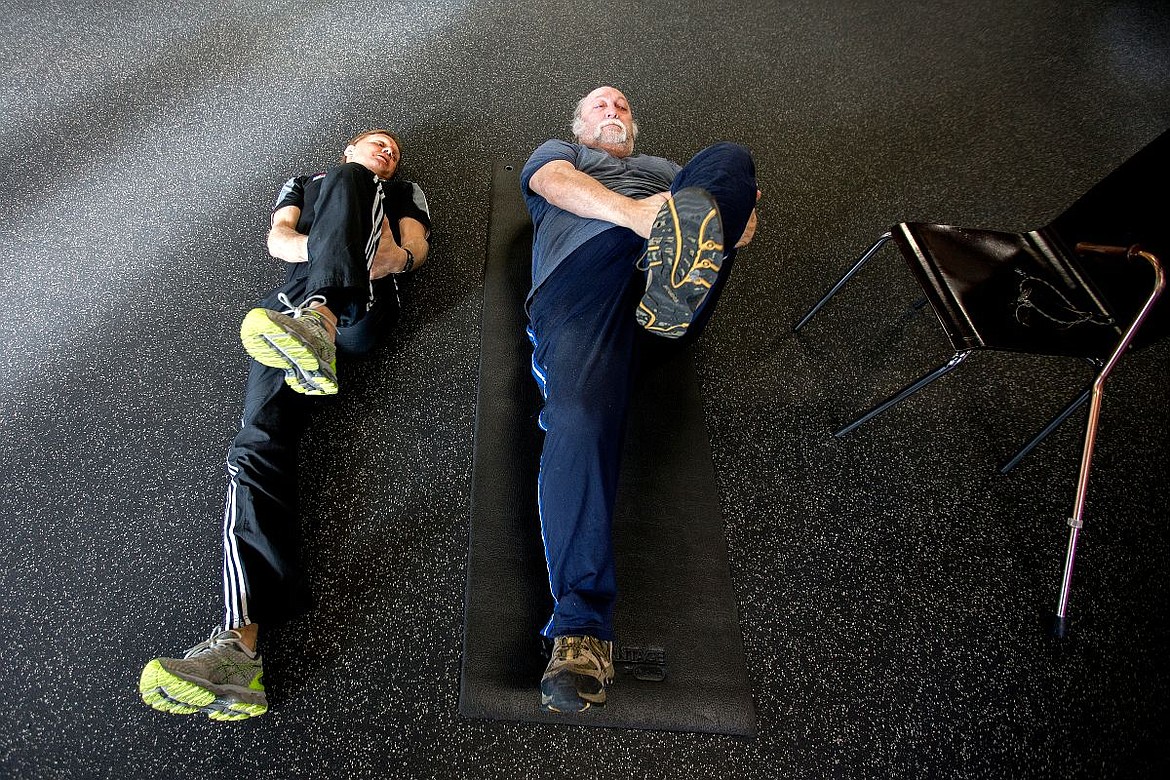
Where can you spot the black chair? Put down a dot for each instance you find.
(1084, 286)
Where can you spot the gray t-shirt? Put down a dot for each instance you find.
(559, 232)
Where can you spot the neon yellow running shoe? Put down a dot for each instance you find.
(297, 341)
(219, 677)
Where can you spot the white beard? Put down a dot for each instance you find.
(611, 131)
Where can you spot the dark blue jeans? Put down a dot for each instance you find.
(585, 341)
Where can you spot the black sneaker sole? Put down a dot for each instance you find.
(683, 256)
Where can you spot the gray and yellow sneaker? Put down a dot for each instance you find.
(683, 256)
(577, 673)
(297, 341)
(219, 677)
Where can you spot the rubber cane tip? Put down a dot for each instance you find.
(1058, 627)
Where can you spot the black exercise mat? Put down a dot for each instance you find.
(679, 651)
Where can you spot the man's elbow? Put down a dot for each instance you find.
(285, 245)
(549, 178)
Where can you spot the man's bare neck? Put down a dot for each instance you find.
(614, 150)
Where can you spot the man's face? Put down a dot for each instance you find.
(606, 118)
(378, 152)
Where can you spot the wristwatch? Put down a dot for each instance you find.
(409, 261)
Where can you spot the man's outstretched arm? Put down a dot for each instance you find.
(567, 188)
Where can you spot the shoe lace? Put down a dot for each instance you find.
(569, 647)
(572, 647)
(219, 638)
(305, 308)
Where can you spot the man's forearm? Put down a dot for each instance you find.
(391, 257)
(418, 248)
(287, 244)
(565, 187)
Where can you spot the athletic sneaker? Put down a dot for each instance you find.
(683, 257)
(307, 382)
(219, 677)
(577, 673)
(297, 341)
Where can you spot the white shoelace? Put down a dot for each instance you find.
(218, 638)
(299, 311)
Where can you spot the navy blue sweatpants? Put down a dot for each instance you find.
(585, 338)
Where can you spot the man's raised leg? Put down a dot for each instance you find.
(691, 245)
(341, 246)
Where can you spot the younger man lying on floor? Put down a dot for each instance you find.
(346, 234)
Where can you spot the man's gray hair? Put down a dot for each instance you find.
(578, 124)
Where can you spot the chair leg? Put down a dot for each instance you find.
(865, 258)
(906, 392)
(1076, 522)
(1052, 425)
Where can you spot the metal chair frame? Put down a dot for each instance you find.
(1093, 392)
(938, 373)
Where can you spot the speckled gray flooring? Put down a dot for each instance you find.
(890, 585)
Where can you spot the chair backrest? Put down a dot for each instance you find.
(1129, 206)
